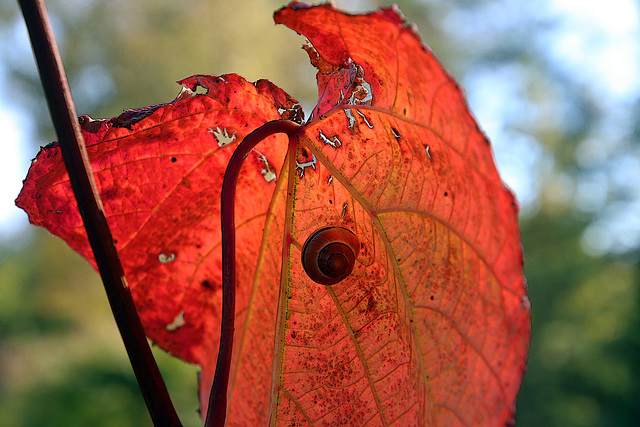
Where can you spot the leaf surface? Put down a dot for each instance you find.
(431, 327)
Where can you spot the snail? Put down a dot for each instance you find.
(329, 254)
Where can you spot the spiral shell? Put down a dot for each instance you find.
(329, 254)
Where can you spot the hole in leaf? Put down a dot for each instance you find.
(200, 90)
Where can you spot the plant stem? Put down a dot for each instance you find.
(63, 115)
(217, 412)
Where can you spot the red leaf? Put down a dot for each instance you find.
(159, 179)
(432, 325)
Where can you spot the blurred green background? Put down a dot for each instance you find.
(554, 83)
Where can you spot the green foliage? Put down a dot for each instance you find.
(582, 367)
(62, 359)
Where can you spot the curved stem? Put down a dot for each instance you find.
(217, 412)
(74, 153)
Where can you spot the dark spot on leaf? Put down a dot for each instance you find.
(431, 297)
(330, 201)
(446, 194)
(110, 193)
(207, 284)
(294, 334)
(371, 305)
(173, 159)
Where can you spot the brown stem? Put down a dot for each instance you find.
(63, 115)
(217, 412)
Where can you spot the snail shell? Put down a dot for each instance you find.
(329, 254)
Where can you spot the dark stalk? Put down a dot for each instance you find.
(217, 412)
(65, 121)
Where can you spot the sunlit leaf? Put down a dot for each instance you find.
(432, 325)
